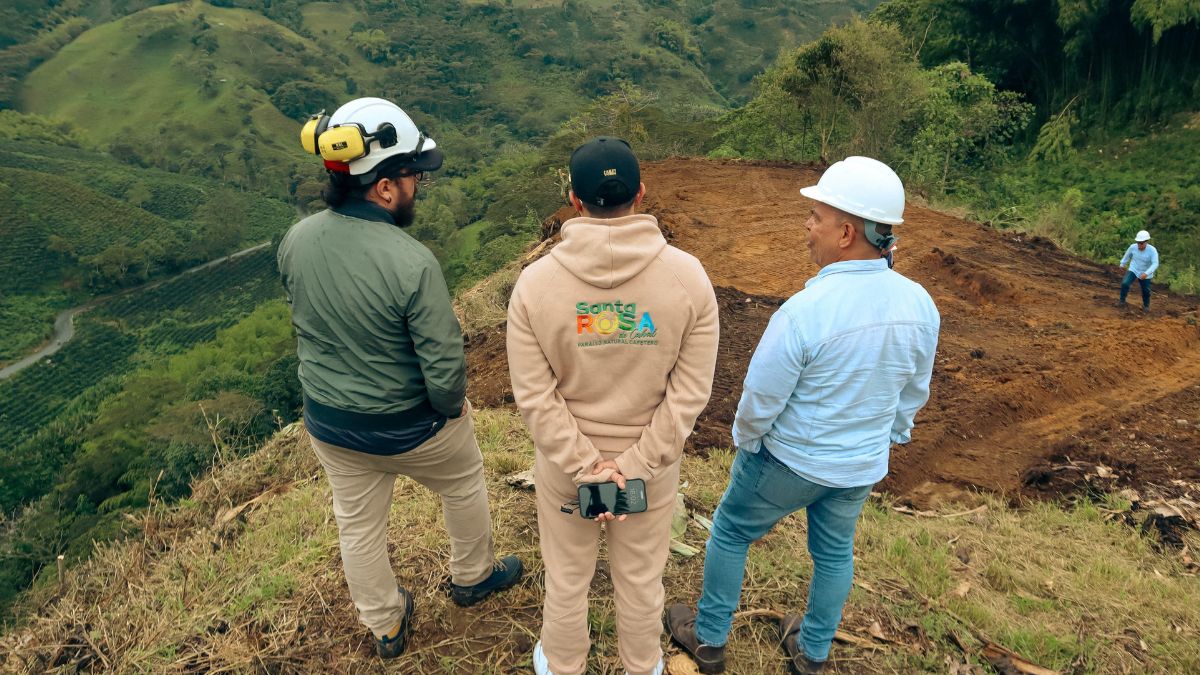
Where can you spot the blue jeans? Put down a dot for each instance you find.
(1144, 283)
(761, 492)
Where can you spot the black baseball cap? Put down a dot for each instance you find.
(604, 172)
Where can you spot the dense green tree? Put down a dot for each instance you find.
(854, 91)
(1123, 59)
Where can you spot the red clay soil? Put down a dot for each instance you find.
(1036, 368)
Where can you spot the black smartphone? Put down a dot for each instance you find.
(598, 498)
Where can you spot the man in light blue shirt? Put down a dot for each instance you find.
(838, 376)
(1142, 259)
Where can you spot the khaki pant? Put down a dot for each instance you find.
(451, 465)
(637, 551)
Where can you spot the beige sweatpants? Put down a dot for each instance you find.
(451, 465)
(637, 552)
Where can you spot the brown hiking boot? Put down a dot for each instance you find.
(681, 624)
(798, 663)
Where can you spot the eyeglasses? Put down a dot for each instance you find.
(423, 179)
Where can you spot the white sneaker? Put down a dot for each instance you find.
(658, 670)
(541, 665)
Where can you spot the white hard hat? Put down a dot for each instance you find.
(863, 187)
(1142, 236)
(372, 113)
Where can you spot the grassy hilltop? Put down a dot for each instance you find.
(246, 575)
(180, 87)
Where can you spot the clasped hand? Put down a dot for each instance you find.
(618, 478)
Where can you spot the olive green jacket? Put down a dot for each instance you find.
(375, 329)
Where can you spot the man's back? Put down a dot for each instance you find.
(372, 315)
(612, 340)
(855, 348)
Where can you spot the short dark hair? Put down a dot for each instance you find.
(603, 212)
(343, 187)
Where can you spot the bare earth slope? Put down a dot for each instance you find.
(1036, 369)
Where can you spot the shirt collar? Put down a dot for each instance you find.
(365, 210)
(851, 266)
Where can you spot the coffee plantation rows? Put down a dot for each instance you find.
(189, 309)
(24, 258)
(37, 395)
(166, 319)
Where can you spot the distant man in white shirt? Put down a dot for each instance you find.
(838, 376)
(1142, 259)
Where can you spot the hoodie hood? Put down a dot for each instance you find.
(607, 253)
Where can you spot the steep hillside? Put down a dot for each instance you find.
(218, 91)
(246, 576)
(1034, 369)
(1031, 397)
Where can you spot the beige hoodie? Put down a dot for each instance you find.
(612, 340)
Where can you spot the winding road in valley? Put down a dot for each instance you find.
(64, 323)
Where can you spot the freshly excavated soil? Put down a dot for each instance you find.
(1036, 368)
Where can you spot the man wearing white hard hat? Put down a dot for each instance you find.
(382, 364)
(838, 376)
(1142, 259)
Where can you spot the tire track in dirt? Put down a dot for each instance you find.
(1032, 357)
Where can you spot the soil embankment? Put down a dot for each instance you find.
(1038, 376)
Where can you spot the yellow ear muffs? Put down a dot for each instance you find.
(312, 130)
(344, 143)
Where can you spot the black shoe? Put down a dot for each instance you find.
(681, 625)
(798, 663)
(505, 573)
(1119, 303)
(390, 648)
(1145, 309)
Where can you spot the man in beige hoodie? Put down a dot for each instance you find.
(612, 343)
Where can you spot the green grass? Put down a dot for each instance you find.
(1094, 202)
(465, 242)
(1063, 588)
(140, 83)
(330, 24)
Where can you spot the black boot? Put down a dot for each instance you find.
(505, 573)
(389, 647)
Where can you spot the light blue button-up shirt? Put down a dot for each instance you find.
(1141, 262)
(840, 374)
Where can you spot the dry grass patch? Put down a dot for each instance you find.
(1067, 589)
(264, 590)
(485, 305)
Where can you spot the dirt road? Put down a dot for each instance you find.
(1035, 368)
